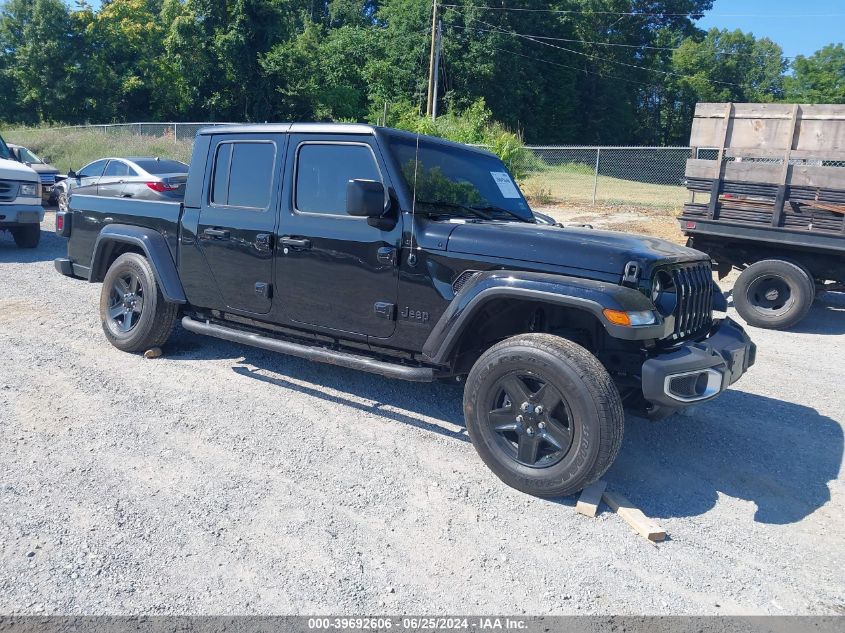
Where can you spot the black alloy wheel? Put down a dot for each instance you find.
(531, 418)
(133, 311)
(126, 301)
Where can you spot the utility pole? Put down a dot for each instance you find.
(431, 78)
(437, 45)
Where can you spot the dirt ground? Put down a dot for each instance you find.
(657, 222)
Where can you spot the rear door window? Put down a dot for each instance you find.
(324, 169)
(117, 168)
(243, 174)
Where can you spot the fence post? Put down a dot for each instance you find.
(175, 133)
(596, 175)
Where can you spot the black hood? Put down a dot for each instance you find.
(43, 168)
(575, 248)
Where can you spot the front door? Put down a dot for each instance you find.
(238, 218)
(335, 271)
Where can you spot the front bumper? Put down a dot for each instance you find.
(17, 214)
(699, 370)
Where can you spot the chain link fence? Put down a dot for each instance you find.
(176, 131)
(549, 175)
(639, 176)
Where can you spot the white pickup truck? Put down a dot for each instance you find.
(21, 212)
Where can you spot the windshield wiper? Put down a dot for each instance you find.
(488, 208)
(479, 213)
(477, 210)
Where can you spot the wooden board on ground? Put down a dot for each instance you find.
(588, 502)
(634, 516)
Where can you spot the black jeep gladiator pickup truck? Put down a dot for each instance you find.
(416, 258)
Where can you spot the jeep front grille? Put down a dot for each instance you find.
(8, 190)
(693, 286)
(48, 179)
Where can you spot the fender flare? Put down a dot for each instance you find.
(560, 290)
(154, 247)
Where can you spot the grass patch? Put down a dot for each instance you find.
(74, 148)
(574, 182)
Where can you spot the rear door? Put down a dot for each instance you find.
(113, 180)
(238, 218)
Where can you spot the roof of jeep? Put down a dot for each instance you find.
(330, 128)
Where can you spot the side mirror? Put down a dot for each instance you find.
(365, 198)
(71, 174)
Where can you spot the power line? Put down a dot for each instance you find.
(563, 39)
(575, 68)
(597, 57)
(644, 15)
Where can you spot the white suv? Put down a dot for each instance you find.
(21, 212)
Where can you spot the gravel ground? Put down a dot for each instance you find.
(224, 480)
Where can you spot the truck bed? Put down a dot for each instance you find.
(90, 214)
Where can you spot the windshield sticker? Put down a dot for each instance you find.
(505, 184)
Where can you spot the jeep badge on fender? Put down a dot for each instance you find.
(351, 221)
(414, 315)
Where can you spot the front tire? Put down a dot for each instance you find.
(27, 236)
(134, 314)
(543, 414)
(774, 294)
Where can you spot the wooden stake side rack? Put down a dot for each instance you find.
(773, 166)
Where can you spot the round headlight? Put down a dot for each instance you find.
(663, 293)
(656, 289)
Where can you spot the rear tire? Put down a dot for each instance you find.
(774, 294)
(27, 236)
(543, 414)
(134, 314)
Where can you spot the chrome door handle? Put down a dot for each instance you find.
(218, 233)
(295, 242)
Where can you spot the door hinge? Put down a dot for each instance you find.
(385, 310)
(263, 289)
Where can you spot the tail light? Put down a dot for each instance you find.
(161, 187)
(63, 221)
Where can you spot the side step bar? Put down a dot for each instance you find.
(309, 352)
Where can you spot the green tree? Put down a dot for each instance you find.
(819, 78)
(39, 59)
(723, 66)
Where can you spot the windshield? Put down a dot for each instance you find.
(161, 166)
(455, 181)
(29, 157)
(4, 150)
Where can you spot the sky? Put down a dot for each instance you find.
(801, 33)
(791, 23)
